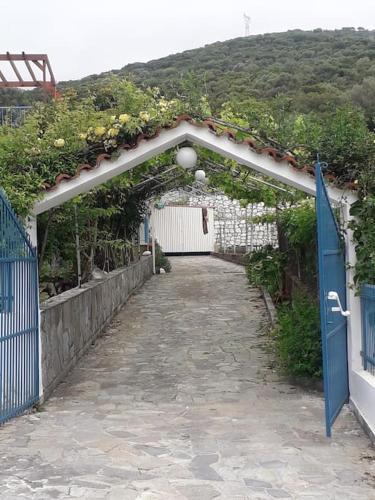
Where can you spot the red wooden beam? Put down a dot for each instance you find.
(41, 74)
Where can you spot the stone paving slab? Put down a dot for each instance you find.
(177, 401)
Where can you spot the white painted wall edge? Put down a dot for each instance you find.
(362, 393)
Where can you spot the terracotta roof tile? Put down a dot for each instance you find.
(277, 155)
(100, 158)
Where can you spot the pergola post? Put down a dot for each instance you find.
(352, 298)
(31, 229)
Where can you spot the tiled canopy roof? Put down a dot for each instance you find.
(272, 152)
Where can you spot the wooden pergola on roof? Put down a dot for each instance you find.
(27, 70)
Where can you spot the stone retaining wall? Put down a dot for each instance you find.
(70, 322)
(240, 259)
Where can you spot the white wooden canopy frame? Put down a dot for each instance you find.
(169, 138)
(240, 152)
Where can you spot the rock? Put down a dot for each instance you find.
(98, 274)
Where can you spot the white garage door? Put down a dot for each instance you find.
(180, 229)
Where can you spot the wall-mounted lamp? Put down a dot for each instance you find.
(200, 175)
(186, 157)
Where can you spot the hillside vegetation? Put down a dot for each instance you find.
(315, 68)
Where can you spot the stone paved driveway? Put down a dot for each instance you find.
(176, 401)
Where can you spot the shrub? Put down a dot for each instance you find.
(265, 268)
(161, 261)
(298, 340)
(297, 234)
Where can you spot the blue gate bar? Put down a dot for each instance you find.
(332, 278)
(368, 327)
(19, 317)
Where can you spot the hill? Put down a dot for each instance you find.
(312, 67)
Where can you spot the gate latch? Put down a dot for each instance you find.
(335, 296)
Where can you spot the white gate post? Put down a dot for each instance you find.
(31, 230)
(361, 382)
(353, 300)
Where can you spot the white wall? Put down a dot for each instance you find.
(179, 229)
(232, 225)
(361, 382)
(362, 395)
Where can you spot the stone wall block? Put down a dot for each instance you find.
(70, 322)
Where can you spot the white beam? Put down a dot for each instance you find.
(167, 139)
(127, 160)
(281, 171)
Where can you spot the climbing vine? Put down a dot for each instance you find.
(345, 141)
(58, 136)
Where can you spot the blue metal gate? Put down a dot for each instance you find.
(333, 314)
(19, 317)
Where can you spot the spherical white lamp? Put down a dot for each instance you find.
(186, 158)
(200, 175)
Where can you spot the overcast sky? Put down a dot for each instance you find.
(83, 37)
